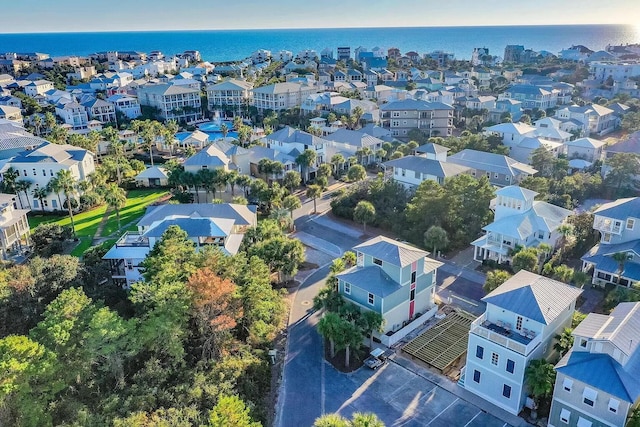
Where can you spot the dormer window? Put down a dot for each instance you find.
(630, 223)
(377, 261)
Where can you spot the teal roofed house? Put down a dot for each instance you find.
(394, 279)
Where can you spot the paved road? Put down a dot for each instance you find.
(311, 387)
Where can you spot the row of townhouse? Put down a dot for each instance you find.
(432, 118)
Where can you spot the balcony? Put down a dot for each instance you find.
(132, 239)
(503, 335)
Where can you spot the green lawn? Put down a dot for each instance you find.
(87, 222)
(134, 209)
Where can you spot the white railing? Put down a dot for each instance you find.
(478, 329)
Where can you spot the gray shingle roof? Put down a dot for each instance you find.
(491, 162)
(534, 297)
(243, 215)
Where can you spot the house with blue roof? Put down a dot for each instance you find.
(206, 224)
(598, 381)
(616, 223)
(393, 279)
(519, 325)
(519, 220)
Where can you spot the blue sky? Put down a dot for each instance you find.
(123, 15)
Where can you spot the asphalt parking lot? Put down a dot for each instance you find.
(401, 397)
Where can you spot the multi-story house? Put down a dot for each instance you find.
(513, 53)
(206, 224)
(260, 56)
(38, 87)
(519, 220)
(432, 118)
(232, 93)
(429, 164)
(344, 54)
(173, 102)
(616, 258)
(12, 114)
(14, 226)
(294, 141)
(209, 158)
(597, 382)
(501, 170)
(40, 164)
(283, 56)
(73, 114)
(618, 71)
(503, 106)
(531, 96)
(584, 148)
(127, 105)
(595, 119)
(280, 96)
(519, 325)
(101, 110)
(393, 279)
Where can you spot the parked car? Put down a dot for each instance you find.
(377, 358)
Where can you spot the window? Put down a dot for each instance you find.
(511, 365)
(567, 385)
(583, 343)
(479, 352)
(404, 172)
(495, 175)
(360, 259)
(506, 391)
(35, 203)
(606, 237)
(630, 223)
(494, 359)
(413, 277)
(54, 204)
(613, 405)
(377, 261)
(44, 172)
(347, 288)
(412, 295)
(476, 376)
(417, 174)
(589, 396)
(371, 299)
(519, 323)
(582, 422)
(565, 415)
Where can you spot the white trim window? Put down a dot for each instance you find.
(565, 415)
(347, 288)
(371, 299)
(567, 385)
(614, 405)
(630, 223)
(589, 396)
(495, 359)
(582, 422)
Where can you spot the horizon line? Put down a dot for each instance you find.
(299, 28)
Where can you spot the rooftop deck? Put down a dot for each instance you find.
(523, 341)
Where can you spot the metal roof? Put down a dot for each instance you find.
(372, 279)
(391, 251)
(534, 297)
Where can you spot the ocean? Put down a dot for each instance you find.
(229, 45)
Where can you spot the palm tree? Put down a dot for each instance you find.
(281, 216)
(115, 198)
(350, 337)
(371, 322)
(337, 161)
(232, 180)
(364, 212)
(9, 180)
(54, 185)
(170, 129)
(291, 203)
(361, 419)
(540, 377)
(206, 178)
(244, 181)
(357, 114)
(224, 130)
(291, 180)
(306, 160)
(620, 257)
(41, 193)
(67, 184)
(329, 328)
(331, 420)
(37, 123)
(23, 185)
(436, 237)
(116, 147)
(313, 192)
(564, 341)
